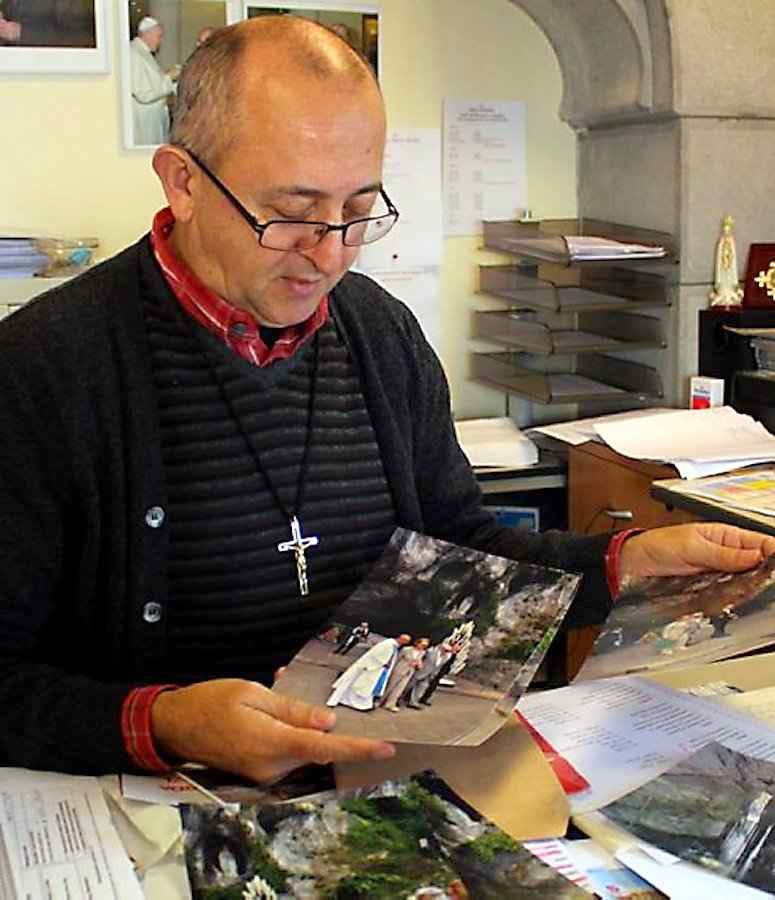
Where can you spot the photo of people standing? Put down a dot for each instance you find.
(47, 23)
(161, 38)
(432, 643)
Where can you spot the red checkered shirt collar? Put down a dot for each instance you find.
(237, 328)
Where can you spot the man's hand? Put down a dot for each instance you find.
(10, 31)
(245, 728)
(691, 549)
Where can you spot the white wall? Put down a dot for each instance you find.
(63, 171)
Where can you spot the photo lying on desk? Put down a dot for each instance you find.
(412, 839)
(435, 646)
(687, 620)
(716, 808)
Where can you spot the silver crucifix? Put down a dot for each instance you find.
(299, 544)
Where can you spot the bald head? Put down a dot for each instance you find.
(242, 71)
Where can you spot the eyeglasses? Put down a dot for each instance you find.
(287, 234)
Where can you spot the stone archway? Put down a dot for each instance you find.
(673, 103)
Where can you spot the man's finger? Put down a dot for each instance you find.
(294, 712)
(309, 746)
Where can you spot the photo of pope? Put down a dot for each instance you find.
(362, 685)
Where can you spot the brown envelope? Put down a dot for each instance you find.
(506, 779)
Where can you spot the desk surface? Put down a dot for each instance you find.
(669, 492)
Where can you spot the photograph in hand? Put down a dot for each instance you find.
(683, 620)
(435, 646)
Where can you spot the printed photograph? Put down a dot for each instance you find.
(687, 620)
(157, 39)
(53, 37)
(359, 29)
(412, 839)
(48, 23)
(435, 646)
(716, 808)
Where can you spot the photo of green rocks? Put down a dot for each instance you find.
(716, 808)
(412, 838)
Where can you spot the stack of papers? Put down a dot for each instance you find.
(587, 247)
(20, 258)
(59, 841)
(577, 248)
(697, 442)
(495, 443)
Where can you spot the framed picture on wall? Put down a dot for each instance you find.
(156, 38)
(356, 21)
(53, 36)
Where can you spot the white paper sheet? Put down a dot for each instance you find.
(495, 442)
(484, 163)
(420, 290)
(697, 441)
(412, 178)
(621, 732)
(759, 704)
(60, 840)
(579, 431)
(683, 880)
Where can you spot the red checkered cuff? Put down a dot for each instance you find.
(136, 728)
(612, 554)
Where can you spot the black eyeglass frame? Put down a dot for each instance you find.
(260, 227)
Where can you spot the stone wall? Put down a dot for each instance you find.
(673, 102)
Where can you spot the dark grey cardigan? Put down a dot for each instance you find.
(81, 545)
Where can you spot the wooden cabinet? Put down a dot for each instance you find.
(609, 492)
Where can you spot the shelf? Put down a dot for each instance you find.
(557, 289)
(536, 239)
(566, 314)
(597, 378)
(17, 291)
(597, 332)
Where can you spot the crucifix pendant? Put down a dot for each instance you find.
(299, 545)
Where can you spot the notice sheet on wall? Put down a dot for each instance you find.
(412, 180)
(484, 163)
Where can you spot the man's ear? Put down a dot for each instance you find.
(174, 169)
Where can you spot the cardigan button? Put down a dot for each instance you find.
(154, 517)
(152, 612)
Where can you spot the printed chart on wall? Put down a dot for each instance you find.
(406, 262)
(484, 163)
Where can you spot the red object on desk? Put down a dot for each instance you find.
(570, 780)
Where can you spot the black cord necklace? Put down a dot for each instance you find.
(298, 543)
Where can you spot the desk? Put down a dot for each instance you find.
(669, 492)
(549, 472)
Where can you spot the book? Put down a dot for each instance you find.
(752, 490)
(435, 646)
(410, 838)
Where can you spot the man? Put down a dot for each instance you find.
(352, 637)
(204, 34)
(170, 417)
(362, 685)
(150, 85)
(436, 665)
(408, 662)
